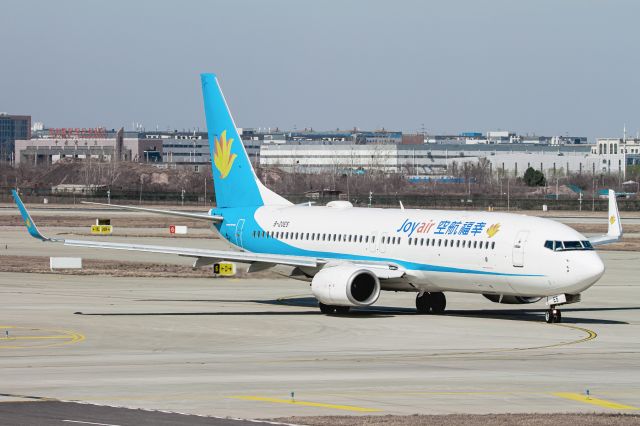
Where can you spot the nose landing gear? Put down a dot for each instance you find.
(553, 315)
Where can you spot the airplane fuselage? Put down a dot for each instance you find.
(466, 251)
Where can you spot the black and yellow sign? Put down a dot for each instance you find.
(225, 269)
(101, 229)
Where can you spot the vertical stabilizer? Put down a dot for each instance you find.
(235, 181)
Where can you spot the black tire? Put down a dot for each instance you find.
(423, 303)
(326, 309)
(558, 317)
(342, 310)
(438, 303)
(549, 317)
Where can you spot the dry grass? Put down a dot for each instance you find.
(40, 265)
(470, 420)
(139, 221)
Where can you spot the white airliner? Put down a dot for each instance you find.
(350, 254)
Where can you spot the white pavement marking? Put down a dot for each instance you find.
(89, 423)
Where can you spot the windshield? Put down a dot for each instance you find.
(568, 245)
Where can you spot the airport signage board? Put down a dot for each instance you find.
(224, 269)
(101, 229)
(65, 263)
(177, 229)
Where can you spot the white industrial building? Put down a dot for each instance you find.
(437, 159)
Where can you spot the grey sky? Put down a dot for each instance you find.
(544, 66)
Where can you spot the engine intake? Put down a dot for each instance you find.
(346, 285)
(511, 300)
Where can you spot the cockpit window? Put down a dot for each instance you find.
(568, 245)
(572, 245)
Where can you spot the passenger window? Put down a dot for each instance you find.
(475, 244)
(458, 243)
(493, 245)
(366, 238)
(439, 242)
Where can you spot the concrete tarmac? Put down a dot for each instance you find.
(258, 348)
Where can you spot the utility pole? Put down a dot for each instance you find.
(182, 196)
(508, 195)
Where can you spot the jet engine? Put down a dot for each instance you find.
(511, 300)
(346, 285)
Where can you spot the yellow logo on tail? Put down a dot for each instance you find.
(612, 220)
(493, 229)
(222, 158)
(28, 223)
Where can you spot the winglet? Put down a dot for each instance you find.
(31, 226)
(615, 226)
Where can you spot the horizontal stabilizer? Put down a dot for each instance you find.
(198, 216)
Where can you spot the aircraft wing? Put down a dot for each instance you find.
(199, 216)
(200, 255)
(614, 233)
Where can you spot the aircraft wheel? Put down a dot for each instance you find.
(342, 310)
(552, 315)
(423, 303)
(438, 303)
(558, 316)
(326, 309)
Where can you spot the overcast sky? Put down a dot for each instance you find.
(548, 67)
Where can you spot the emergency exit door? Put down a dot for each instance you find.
(518, 248)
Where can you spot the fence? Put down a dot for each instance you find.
(440, 201)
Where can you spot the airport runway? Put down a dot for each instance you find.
(47, 413)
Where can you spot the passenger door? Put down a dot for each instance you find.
(518, 248)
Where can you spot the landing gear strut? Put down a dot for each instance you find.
(333, 310)
(431, 303)
(552, 315)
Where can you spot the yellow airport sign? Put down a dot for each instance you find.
(101, 229)
(225, 269)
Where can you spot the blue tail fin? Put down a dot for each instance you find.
(234, 179)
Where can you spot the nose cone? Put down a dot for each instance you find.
(589, 270)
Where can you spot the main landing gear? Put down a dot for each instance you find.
(333, 310)
(431, 303)
(552, 315)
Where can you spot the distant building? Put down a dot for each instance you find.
(52, 145)
(12, 128)
(431, 159)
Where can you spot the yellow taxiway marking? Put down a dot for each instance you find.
(594, 401)
(54, 337)
(306, 403)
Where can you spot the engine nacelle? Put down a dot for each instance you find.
(511, 300)
(346, 285)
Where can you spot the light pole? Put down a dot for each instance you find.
(182, 196)
(108, 196)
